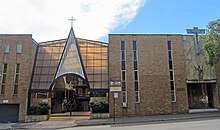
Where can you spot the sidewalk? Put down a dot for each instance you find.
(124, 120)
(155, 118)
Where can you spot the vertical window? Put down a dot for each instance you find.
(3, 78)
(7, 48)
(19, 48)
(171, 70)
(123, 74)
(136, 83)
(17, 69)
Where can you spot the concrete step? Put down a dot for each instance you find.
(74, 116)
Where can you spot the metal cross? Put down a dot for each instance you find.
(72, 20)
(196, 31)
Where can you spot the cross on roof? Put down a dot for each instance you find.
(72, 19)
(196, 31)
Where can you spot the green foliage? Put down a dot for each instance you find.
(39, 109)
(99, 106)
(211, 42)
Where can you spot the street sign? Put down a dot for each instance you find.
(115, 95)
(115, 89)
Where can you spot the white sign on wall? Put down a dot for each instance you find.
(4, 101)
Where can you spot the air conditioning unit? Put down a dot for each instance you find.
(124, 104)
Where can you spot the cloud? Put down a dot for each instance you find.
(48, 19)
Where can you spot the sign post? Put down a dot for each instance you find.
(115, 88)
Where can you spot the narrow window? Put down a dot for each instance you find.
(171, 70)
(136, 83)
(17, 69)
(7, 48)
(123, 74)
(19, 48)
(3, 78)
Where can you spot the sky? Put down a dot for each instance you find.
(47, 20)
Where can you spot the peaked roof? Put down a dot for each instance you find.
(71, 61)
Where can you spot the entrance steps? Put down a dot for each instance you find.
(74, 116)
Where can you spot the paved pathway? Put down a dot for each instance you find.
(56, 124)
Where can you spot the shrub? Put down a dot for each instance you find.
(39, 109)
(99, 106)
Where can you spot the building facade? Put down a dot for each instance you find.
(17, 53)
(159, 74)
(138, 74)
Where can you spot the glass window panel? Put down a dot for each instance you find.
(17, 68)
(170, 65)
(3, 89)
(172, 85)
(104, 49)
(90, 49)
(122, 45)
(135, 65)
(124, 96)
(40, 56)
(170, 55)
(123, 75)
(90, 56)
(104, 56)
(97, 69)
(83, 50)
(36, 77)
(137, 97)
(46, 63)
(123, 86)
(135, 55)
(104, 77)
(91, 84)
(97, 85)
(43, 78)
(56, 50)
(134, 45)
(104, 69)
(45, 70)
(104, 62)
(97, 77)
(136, 75)
(5, 68)
(169, 45)
(15, 89)
(50, 77)
(104, 84)
(97, 49)
(47, 56)
(97, 56)
(54, 63)
(35, 85)
(136, 86)
(41, 49)
(123, 65)
(171, 75)
(16, 78)
(52, 70)
(3, 78)
(49, 49)
(90, 77)
(42, 85)
(122, 55)
(97, 63)
(90, 62)
(89, 70)
(39, 63)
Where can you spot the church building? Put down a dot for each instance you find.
(138, 74)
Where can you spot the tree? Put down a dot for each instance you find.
(211, 42)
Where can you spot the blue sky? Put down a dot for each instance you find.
(48, 19)
(172, 16)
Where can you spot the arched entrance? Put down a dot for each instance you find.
(69, 93)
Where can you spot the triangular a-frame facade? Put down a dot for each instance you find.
(71, 61)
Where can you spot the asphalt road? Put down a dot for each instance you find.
(213, 124)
